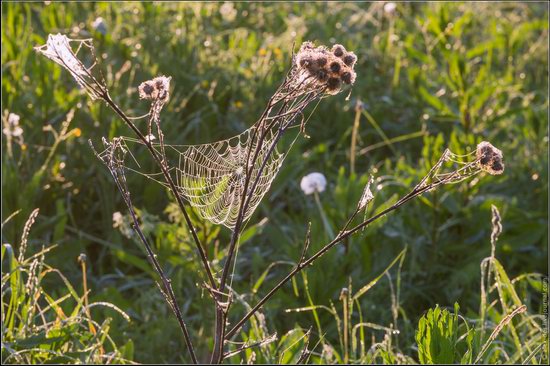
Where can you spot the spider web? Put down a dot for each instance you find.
(212, 176)
(225, 180)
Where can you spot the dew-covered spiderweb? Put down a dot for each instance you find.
(224, 180)
(212, 176)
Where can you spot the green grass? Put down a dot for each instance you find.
(423, 84)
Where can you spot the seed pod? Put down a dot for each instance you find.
(346, 77)
(305, 61)
(322, 61)
(335, 67)
(489, 158)
(322, 75)
(338, 50)
(350, 59)
(333, 83)
(146, 90)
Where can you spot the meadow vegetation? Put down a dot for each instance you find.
(457, 275)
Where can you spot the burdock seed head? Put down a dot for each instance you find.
(329, 68)
(350, 59)
(335, 67)
(490, 158)
(322, 75)
(146, 90)
(333, 84)
(321, 61)
(338, 50)
(305, 60)
(347, 77)
(155, 89)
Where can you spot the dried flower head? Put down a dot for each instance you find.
(489, 158)
(333, 84)
(155, 89)
(335, 66)
(12, 128)
(325, 68)
(348, 78)
(350, 58)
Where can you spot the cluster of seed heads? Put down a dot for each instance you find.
(331, 68)
(155, 89)
(490, 158)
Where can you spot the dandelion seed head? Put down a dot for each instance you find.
(228, 11)
(389, 8)
(313, 182)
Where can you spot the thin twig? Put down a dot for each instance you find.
(120, 180)
(419, 189)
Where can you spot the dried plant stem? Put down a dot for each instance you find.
(219, 332)
(354, 133)
(162, 165)
(82, 260)
(287, 109)
(252, 157)
(343, 234)
(166, 288)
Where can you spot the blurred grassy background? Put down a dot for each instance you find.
(429, 75)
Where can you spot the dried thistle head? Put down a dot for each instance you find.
(489, 158)
(328, 68)
(157, 89)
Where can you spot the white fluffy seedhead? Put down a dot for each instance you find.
(58, 49)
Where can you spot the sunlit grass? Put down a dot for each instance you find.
(430, 75)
